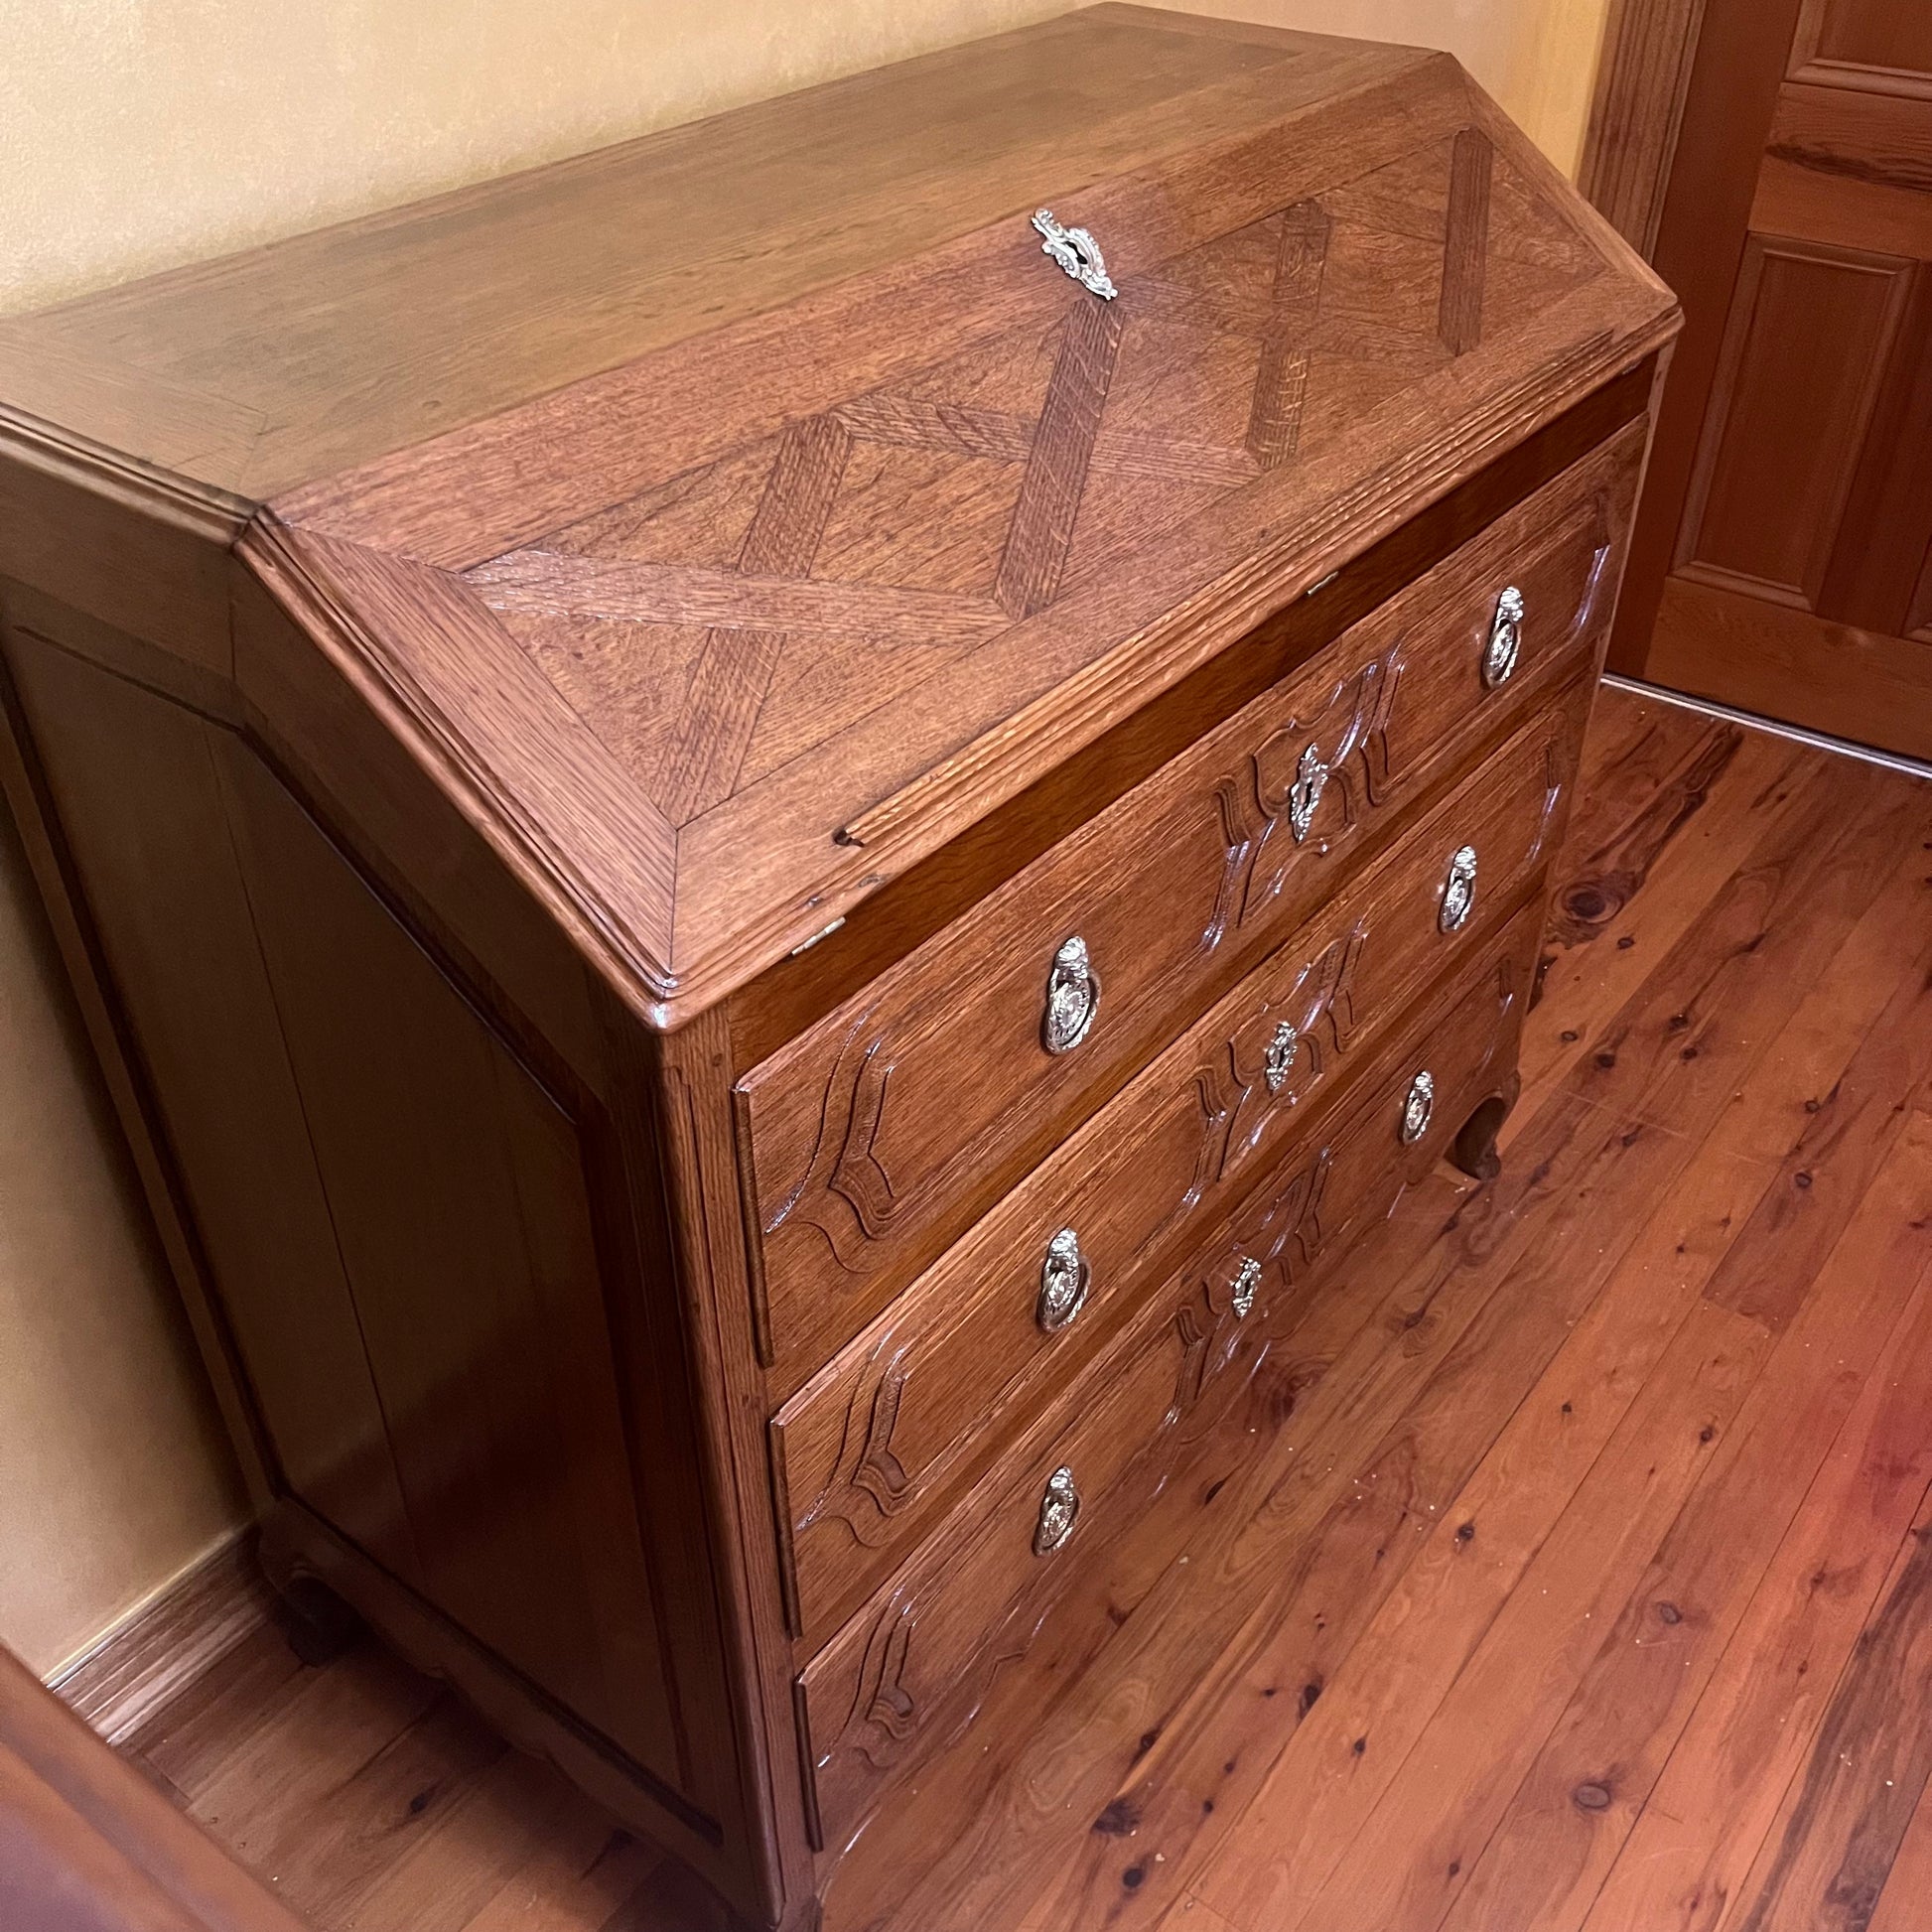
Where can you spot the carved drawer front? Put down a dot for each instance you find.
(879, 1134)
(909, 1669)
(871, 1451)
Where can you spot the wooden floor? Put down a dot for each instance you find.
(1586, 1587)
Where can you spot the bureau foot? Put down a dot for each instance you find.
(319, 1625)
(1475, 1148)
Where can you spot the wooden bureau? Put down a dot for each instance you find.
(773, 837)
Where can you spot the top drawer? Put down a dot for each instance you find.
(879, 1133)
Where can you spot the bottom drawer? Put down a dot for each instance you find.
(907, 1669)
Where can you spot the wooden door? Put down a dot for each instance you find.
(1783, 559)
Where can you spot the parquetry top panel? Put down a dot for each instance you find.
(819, 587)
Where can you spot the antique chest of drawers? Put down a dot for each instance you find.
(775, 836)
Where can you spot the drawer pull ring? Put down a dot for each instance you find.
(1064, 1279)
(1417, 1107)
(1458, 890)
(1246, 1280)
(1304, 794)
(1072, 998)
(1077, 253)
(1505, 639)
(1057, 1509)
(1279, 1061)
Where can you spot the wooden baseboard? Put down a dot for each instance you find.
(168, 1642)
(1788, 665)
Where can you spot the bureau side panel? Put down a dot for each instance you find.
(396, 1204)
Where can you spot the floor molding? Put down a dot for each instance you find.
(164, 1645)
(1818, 740)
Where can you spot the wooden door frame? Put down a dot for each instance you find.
(1684, 102)
(1643, 78)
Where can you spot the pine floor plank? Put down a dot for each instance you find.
(330, 1856)
(1626, 897)
(1706, 1817)
(1905, 1904)
(204, 1724)
(581, 1872)
(1305, 1820)
(1401, 1871)
(1548, 1857)
(1827, 1858)
(487, 1831)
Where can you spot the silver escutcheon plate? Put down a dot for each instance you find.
(1505, 639)
(1416, 1106)
(1246, 1280)
(1058, 1508)
(1458, 890)
(1064, 1279)
(1304, 794)
(1072, 998)
(1077, 253)
(1279, 1061)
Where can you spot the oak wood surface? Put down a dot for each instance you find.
(865, 1153)
(779, 528)
(291, 361)
(429, 730)
(913, 1664)
(916, 1400)
(1472, 1407)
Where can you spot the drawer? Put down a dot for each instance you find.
(868, 1452)
(883, 1130)
(908, 1670)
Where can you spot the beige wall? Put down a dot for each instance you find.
(112, 1476)
(147, 132)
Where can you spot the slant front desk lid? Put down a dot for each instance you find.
(731, 518)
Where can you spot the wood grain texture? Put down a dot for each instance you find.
(1642, 77)
(866, 1156)
(153, 1658)
(916, 1403)
(788, 998)
(525, 646)
(1449, 1401)
(194, 370)
(1034, 451)
(1584, 1153)
(911, 1668)
(88, 1845)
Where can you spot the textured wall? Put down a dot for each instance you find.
(111, 1474)
(138, 133)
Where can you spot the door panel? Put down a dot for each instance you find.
(1812, 330)
(1895, 34)
(1786, 533)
